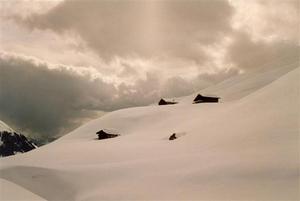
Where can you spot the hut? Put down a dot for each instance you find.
(105, 134)
(206, 99)
(164, 102)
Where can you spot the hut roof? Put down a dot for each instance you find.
(199, 96)
(166, 102)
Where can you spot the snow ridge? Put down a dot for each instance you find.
(5, 127)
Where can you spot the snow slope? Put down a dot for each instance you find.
(245, 148)
(244, 84)
(13, 192)
(5, 127)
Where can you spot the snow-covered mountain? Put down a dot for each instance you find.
(244, 148)
(11, 142)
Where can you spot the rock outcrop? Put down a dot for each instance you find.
(12, 143)
(105, 134)
(173, 136)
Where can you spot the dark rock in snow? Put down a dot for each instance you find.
(12, 143)
(105, 134)
(173, 136)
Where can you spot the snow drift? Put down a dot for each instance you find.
(244, 148)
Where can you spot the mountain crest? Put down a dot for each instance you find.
(12, 142)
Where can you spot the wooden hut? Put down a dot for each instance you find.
(164, 102)
(206, 99)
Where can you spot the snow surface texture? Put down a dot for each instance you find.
(244, 148)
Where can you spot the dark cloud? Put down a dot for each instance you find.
(46, 101)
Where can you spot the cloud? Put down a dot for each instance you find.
(247, 54)
(268, 20)
(46, 101)
(177, 33)
(266, 34)
(123, 40)
(176, 87)
(143, 28)
(24, 8)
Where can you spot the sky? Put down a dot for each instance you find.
(64, 62)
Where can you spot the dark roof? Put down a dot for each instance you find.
(199, 97)
(164, 102)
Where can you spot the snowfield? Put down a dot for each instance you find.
(244, 148)
(13, 192)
